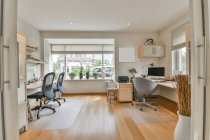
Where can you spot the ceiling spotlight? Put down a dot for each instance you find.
(128, 24)
(72, 23)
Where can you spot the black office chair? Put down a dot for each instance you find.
(59, 88)
(45, 94)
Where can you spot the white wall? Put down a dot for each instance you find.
(85, 86)
(166, 39)
(47, 57)
(32, 39)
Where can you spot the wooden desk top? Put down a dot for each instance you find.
(168, 84)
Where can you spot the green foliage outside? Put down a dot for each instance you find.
(56, 67)
(75, 70)
(97, 63)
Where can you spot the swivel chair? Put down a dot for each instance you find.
(45, 94)
(59, 88)
(144, 88)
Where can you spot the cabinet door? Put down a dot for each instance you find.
(21, 92)
(146, 51)
(125, 92)
(22, 115)
(158, 51)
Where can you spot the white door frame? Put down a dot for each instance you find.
(197, 69)
(207, 66)
(10, 68)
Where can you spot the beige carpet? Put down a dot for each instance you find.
(60, 119)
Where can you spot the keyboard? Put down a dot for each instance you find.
(158, 80)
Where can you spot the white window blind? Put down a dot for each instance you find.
(179, 37)
(83, 48)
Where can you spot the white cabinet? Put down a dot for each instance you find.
(22, 115)
(152, 51)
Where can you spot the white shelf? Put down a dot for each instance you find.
(32, 49)
(35, 62)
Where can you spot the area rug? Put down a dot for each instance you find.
(60, 119)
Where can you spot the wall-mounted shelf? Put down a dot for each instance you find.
(35, 62)
(32, 49)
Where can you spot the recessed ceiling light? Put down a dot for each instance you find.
(72, 23)
(128, 24)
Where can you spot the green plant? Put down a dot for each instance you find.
(95, 75)
(81, 69)
(132, 71)
(72, 75)
(75, 69)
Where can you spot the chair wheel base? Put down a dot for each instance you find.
(54, 111)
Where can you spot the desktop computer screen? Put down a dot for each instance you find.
(156, 71)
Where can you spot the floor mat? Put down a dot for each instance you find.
(60, 119)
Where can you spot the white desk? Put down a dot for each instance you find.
(36, 85)
(168, 84)
(167, 90)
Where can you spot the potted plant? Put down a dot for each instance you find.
(87, 73)
(95, 75)
(72, 75)
(81, 72)
(182, 130)
(132, 72)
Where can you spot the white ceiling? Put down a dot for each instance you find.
(102, 15)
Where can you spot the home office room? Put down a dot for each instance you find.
(89, 71)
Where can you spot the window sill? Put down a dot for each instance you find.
(88, 79)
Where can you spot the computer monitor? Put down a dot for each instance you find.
(156, 72)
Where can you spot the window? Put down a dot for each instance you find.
(97, 59)
(58, 63)
(179, 61)
(179, 51)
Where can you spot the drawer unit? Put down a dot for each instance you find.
(125, 92)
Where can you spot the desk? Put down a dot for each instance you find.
(36, 85)
(167, 90)
(168, 84)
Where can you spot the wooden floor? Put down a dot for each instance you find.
(99, 120)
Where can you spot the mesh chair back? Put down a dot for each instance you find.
(143, 86)
(47, 86)
(60, 82)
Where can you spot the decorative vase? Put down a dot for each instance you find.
(182, 130)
